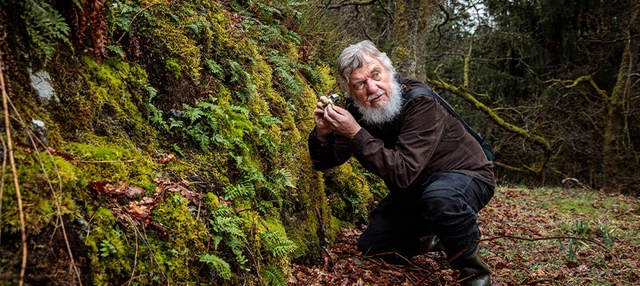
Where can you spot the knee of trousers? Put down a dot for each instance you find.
(445, 206)
(448, 215)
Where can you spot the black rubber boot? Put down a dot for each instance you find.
(475, 267)
(430, 243)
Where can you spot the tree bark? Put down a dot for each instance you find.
(410, 31)
(614, 129)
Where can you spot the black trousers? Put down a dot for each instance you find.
(446, 206)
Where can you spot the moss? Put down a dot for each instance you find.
(173, 29)
(42, 179)
(173, 67)
(107, 268)
(116, 97)
(113, 162)
(263, 103)
(187, 238)
(351, 191)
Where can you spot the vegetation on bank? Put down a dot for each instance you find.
(172, 149)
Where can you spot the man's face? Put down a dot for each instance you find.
(370, 84)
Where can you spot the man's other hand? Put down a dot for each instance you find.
(341, 121)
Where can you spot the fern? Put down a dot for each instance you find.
(199, 136)
(273, 276)
(227, 226)
(279, 181)
(269, 120)
(192, 113)
(277, 243)
(155, 114)
(217, 265)
(282, 177)
(240, 190)
(45, 26)
(214, 68)
(121, 14)
(227, 229)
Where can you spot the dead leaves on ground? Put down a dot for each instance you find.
(347, 266)
(512, 213)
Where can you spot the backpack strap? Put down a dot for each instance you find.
(483, 142)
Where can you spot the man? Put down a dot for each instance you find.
(437, 174)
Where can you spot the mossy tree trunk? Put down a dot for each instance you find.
(614, 118)
(411, 23)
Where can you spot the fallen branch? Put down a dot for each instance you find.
(552, 238)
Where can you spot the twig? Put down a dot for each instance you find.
(108, 161)
(4, 167)
(325, 238)
(134, 18)
(504, 236)
(135, 257)
(552, 238)
(55, 196)
(7, 127)
(152, 256)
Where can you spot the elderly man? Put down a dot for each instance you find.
(437, 173)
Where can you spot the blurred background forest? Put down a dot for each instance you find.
(554, 85)
(164, 141)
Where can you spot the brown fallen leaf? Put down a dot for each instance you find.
(166, 158)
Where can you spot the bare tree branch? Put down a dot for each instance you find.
(346, 3)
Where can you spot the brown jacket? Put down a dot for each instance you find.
(422, 140)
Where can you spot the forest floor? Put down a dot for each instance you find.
(530, 237)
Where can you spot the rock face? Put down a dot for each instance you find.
(41, 82)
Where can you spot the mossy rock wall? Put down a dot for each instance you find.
(174, 143)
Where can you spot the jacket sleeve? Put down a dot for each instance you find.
(422, 126)
(328, 154)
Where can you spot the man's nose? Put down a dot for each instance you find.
(372, 87)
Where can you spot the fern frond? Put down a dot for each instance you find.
(45, 26)
(227, 225)
(217, 265)
(238, 191)
(277, 243)
(283, 177)
(273, 276)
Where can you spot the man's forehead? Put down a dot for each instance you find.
(369, 64)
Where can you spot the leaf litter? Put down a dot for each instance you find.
(530, 237)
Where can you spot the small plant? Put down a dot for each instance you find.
(217, 265)
(581, 227)
(277, 243)
(106, 248)
(571, 249)
(607, 234)
(273, 276)
(45, 27)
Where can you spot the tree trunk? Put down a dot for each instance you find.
(411, 23)
(614, 130)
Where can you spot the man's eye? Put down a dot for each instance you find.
(376, 75)
(359, 85)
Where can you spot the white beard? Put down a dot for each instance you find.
(386, 113)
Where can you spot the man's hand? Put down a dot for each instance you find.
(340, 121)
(322, 127)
